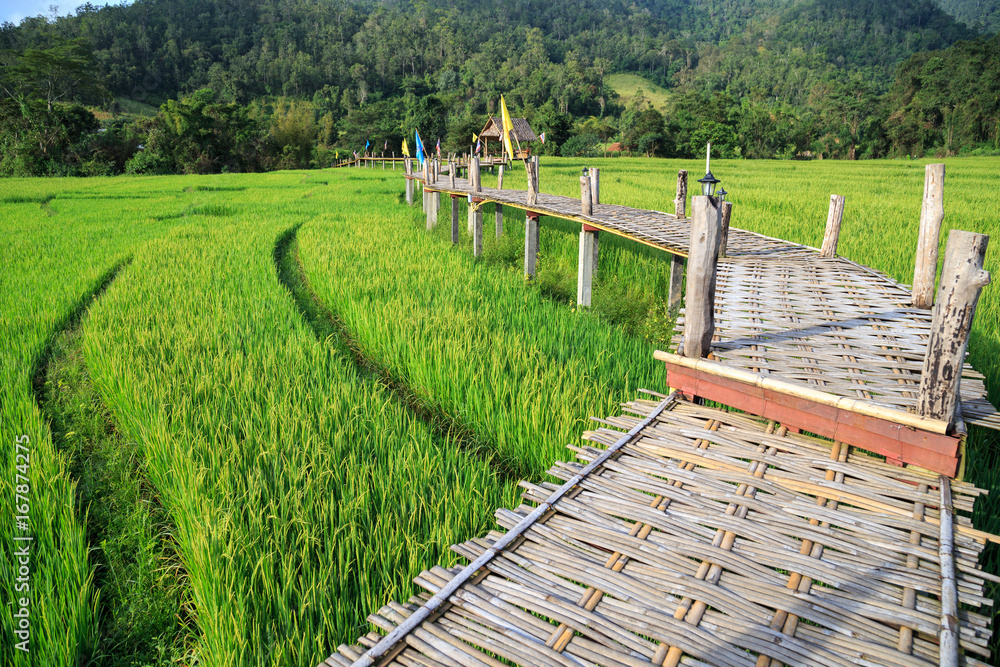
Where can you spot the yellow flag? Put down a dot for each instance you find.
(474, 137)
(406, 149)
(508, 127)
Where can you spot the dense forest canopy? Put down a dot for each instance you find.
(765, 78)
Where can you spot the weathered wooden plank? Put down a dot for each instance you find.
(831, 236)
(962, 281)
(703, 255)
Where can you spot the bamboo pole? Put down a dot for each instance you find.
(831, 236)
(905, 643)
(962, 281)
(703, 256)
(931, 215)
(586, 197)
(498, 207)
(454, 219)
(595, 185)
(948, 651)
(857, 405)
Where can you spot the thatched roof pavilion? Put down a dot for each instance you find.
(522, 132)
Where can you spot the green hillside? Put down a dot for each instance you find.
(628, 87)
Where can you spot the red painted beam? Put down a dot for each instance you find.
(588, 228)
(898, 443)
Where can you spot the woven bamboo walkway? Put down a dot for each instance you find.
(702, 537)
(782, 310)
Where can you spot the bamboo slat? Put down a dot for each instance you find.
(706, 538)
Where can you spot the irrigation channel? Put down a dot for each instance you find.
(820, 518)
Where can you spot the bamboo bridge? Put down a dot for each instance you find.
(819, 518)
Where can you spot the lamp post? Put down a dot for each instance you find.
(709, 182)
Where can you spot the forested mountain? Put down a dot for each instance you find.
(981, 15)
(152, 50)
(761, 77)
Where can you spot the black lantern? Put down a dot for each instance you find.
(708, 184)
(722, 194)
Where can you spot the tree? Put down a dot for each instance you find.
(64, 72)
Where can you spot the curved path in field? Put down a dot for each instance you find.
(325, 323)
(127, 528)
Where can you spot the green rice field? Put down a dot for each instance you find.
(257, 405)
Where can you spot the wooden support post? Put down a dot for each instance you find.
(394, 160)
(727, 213)
(431, 213)
(680, 201)
(451, 174)
(477, 226)
(383, 160)
(595, 185)
(586, 265)
(530, 243)
(470, 224)
(475, 183)
(931, 215)
(703, 257)
(832, 234)
(498, 208)
(407, 174)
(435, 207)
(962, 280)
(531, 167)
(676, 282)
(586, 200)
(454, 218)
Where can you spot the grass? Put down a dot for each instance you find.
(296, 398)
(143, 616)
(628, 86)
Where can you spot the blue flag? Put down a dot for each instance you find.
(367, 144)
(420, 147)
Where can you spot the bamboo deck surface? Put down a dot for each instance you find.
(654, 228)
(706, 537)
(781, 309)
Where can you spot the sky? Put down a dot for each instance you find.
(15, 10)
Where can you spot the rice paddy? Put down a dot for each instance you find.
(317, 397)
